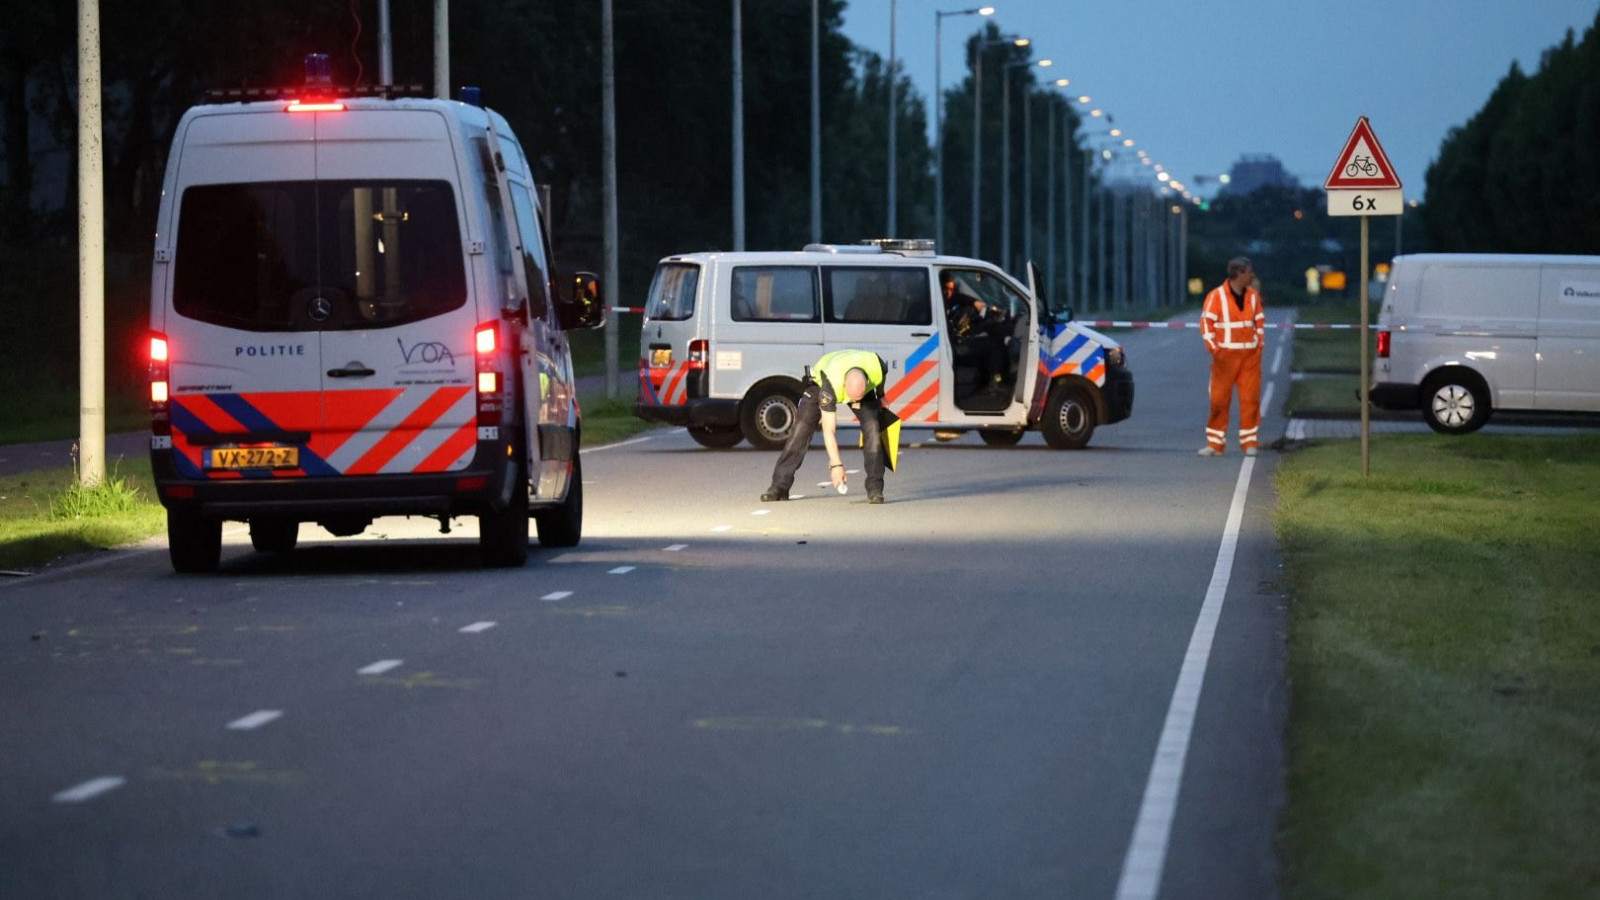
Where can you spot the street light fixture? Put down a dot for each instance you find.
(977, 126)
(938, 122)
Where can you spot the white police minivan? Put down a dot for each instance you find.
(1463, 334)
(354, 314)
(727, 338)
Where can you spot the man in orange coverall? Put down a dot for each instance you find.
(1233, 324)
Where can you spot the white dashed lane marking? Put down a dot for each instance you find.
(620, 570)
(720, 528)
(674, 548)
(379, 667)
(90, 789)
(553, 596)
(760, 512)
(255, 720)
(477, 627)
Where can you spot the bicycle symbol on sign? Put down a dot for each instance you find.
(1361, 165)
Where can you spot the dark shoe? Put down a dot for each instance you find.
(773, 495)
(875, 498)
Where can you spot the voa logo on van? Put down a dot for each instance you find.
(255, 350)
(428, 353)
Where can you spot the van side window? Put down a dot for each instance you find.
(533, 259)
(881, 295)
(774, 294)
(672, 293)
(497, 211)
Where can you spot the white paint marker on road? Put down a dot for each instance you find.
(1146, 861)
(380, 667)
(674, 548)
(553, 596)
(477, 627)
(760, 512)
(1277, 357)
(620, 570)
(255, 720)
(90, 789)
(721, 528)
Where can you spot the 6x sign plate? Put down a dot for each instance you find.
(1365, 203)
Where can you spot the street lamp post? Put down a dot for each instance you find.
(738, 129)
(816, 122)
(1005, 153)
(977, 130)
(938, 115)
(888, 72)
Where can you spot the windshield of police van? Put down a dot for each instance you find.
(301, 256)
(672, 292)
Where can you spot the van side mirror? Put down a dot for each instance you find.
(580, 305)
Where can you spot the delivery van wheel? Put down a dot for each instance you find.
(194, 543)
(1068, 421)
(1455, 402)
(768, 416)
(563, 525)
(715, 437)
(503, 534)
(1000, 437)
(272, 535)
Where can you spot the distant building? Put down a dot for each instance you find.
(1255, 171)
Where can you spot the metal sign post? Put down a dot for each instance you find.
(1364, 184)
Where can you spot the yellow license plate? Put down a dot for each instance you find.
(253, 458)
(661, 358)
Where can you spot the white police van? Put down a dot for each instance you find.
(354, 314)
(727, 337)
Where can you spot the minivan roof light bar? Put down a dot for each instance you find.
(298, 92)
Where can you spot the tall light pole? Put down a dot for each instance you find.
(608, 165)
(91, 254)
(1005, 154)
(977, 130)
(816, 122)
(888, 72)
(738, 129)
(938, 115)
(441, 49)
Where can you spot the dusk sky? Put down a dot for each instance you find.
(1198, 83)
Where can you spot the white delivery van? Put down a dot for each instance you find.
(727, 338)
(353, 314)
(1463, 334)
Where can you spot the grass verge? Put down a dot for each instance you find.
(44, 514)
(1325, 394)
(1444, 738)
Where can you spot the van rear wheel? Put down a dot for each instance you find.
(563, 526)
(1069, 418)
(503, 534)
(769, 416)
(272, 535)
(194, 543)
(1455, 402)
(716, 437)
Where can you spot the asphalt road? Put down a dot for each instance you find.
(959, 694)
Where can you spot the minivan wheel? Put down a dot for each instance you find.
(194, 543)
(1455, 403)
(1068, 421)
(716, 437)
(563, 525)
(503, 534)
(271, 535)
(768, 417)
(1000, 437)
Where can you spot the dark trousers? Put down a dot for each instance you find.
(805, 428)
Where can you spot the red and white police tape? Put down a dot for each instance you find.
(1110, 323)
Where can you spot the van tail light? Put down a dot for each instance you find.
(699, 351)
(160, 385)
(1383, 345)
(491, 384)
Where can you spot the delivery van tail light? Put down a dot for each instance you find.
(699, 351)
(486, 341)
(1383, 345)
(160, 382)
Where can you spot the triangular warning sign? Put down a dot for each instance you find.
(1362, 163)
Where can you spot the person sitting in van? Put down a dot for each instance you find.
(854, 377)
(977, 334)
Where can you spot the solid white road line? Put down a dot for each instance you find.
(1266, 398)
(1142, 868)
(477, 627)
(674, 548)
(379, 667)
(1277, 357)
(618, 444)
(255, 720)
(553, 596)
(90, 789)
(620, 570)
